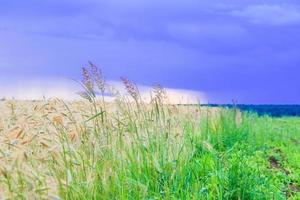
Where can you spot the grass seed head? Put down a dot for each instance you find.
(98, 77)
(87, 80)
(131, 88)
(57, 120)
(160, 93)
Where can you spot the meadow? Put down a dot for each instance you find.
(130, 149)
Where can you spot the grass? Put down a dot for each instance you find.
(156, 152)
(135, 150)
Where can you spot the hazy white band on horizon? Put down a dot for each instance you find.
(67, 89)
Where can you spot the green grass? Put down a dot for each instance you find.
(155, 154)
(157, 151)
(154, 151)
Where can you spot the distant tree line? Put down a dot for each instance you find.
(271, 110)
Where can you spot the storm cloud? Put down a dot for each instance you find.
(243, 50)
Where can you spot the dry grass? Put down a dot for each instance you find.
(30, 137)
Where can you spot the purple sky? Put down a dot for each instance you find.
(248, 50)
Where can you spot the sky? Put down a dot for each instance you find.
(247, 51)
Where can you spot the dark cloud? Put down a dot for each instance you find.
(246, 50)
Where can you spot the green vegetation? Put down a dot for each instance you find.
(212, 158)
(138, 150)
